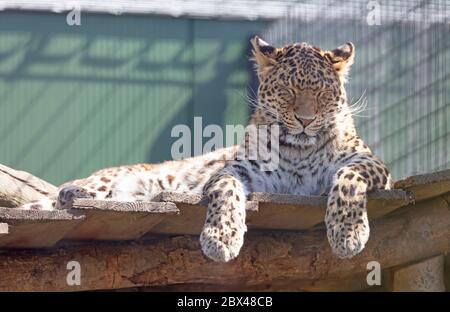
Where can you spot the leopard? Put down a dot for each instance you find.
(301, 94)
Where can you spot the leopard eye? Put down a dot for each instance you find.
(286, 98)
(325, 96)
(286, 91)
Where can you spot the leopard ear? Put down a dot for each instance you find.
(263, 54)
(342, 58)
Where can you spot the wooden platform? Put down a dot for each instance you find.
(172, 214)
(409, 223)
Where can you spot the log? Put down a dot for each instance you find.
(20, 187)
(424, 276)
(276, 260)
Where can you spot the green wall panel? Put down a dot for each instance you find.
(74, 99)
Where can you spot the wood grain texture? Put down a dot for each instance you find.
(191, 218)
(270, 211)
(20, 187)
(427, 185)
(424, 276)
(131, 207)
(278, 259)
(110, 220)
(37, 229)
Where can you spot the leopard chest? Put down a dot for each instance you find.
(305, 175)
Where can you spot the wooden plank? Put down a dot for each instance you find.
(281, 259)
(426, 186)
(109, 220)
(270, 211)
(287, 212)
(36, 229)
(294, 212)
(4, 229)
(192, 214)
(382, 202)
(190, 220)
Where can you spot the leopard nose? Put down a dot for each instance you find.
(305, 121)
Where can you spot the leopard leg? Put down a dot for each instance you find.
(223, 233)
(44, 204)
(63, 200)
(68, 193)
(346, 217)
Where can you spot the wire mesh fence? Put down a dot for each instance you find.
(402, 71)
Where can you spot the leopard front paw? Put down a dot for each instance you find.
(348, 236)
(221, 243)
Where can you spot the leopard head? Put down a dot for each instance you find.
(301, 87)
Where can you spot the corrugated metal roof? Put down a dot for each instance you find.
(171, 213)
(248, 9)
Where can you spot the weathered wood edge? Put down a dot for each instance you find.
(128, 207)
(9, 214)
(380, 202)
(423, 179)
(425, 186)
(272, 198)
(281, 259)
(118, 221)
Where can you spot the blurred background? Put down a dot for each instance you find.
(76, 98)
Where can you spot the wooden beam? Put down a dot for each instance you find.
(447, 271)
(427, 185)
(109, 220)
(426, 275)
(35, 229)
(280, 259)
(294, 212)
(355, 282)
(270, 211)
(87, 220)
(192, 214)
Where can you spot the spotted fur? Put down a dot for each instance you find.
(302, 92)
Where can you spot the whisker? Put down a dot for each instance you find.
(252, 102)
(359, 106)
